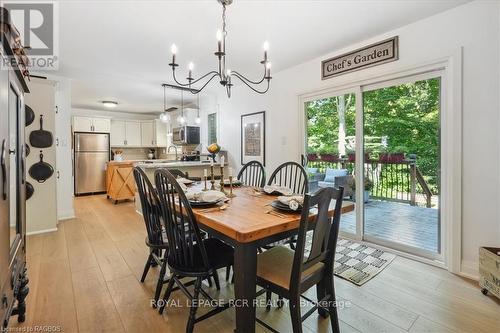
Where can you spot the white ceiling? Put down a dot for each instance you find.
(119, 50)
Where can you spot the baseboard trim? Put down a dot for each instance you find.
(38, 232)
(470, 270)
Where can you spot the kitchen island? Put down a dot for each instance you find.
(191, 168)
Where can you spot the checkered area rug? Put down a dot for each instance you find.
(356, 262)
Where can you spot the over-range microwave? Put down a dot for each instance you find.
(186, 135)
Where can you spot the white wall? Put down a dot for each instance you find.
(64, 161)
(476, 28)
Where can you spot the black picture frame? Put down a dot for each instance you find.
(262, 157)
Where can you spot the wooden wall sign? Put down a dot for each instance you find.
(368, 56)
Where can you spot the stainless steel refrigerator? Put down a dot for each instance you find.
(91, 155)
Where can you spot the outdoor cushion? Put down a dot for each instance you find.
(325, 184)
(312, 170)
(332, 173)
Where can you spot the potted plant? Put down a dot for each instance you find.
(368, 185)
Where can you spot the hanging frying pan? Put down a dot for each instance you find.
(41, 171)
(27, 150)
(30, 115)
(29, 190)
(41, 138)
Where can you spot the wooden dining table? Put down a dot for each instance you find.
(247, 223)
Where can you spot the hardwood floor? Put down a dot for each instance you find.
(85, 278)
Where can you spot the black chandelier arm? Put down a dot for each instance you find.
(249, 86)
(194, 81)
(198, 90)
(242, 77)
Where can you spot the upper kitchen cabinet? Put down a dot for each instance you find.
(118, 137)
(133, 133)
(154, 133)
(125, 133)
(91, 124)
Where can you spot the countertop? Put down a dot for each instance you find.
(170, 164)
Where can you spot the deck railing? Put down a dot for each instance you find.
(393, 177)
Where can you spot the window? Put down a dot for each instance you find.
(212, 128)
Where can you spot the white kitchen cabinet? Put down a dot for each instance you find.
(101, 125)
(118, 136)
(160, 133)
(133, 133)
(91, 124)
(154, 133)
(148, 134)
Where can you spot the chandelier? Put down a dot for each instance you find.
(224, 74)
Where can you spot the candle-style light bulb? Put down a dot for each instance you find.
(266, 48)
(190, 67)
(218, 35)
(228, 72)
(173, 49)
(197, 120)
(268, 67)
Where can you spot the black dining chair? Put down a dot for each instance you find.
(157, 244)
(190, 256)
(253, 174)
(290, 273)
(291, 175)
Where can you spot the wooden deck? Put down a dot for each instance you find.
(398, 222)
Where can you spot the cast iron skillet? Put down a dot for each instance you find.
(41, 138)
(41, 171)
(29, 190)
(30, 115)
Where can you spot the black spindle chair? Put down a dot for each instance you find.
(151, 211)
(290, 273)
(291, 175)
(253, 174)
(179, 173)
(190, 255)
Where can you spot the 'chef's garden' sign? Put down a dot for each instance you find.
(371, 55)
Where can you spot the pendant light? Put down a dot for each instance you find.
(198, 119)
(181, 118)
(164, 116)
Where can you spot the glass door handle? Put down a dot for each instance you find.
(4, 171)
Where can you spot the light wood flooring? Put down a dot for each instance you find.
(85, 278)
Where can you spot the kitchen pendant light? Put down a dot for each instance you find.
(164, 116)
(198, 119)
(181, 118)
(224, 74)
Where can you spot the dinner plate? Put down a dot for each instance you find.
(198, 204)
(281, 206)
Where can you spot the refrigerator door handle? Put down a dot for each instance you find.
(4, 172)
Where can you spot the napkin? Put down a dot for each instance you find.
(294, 201)
(205, 196)
(182, 180)
(276, 188)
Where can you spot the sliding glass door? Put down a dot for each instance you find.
(390, 132)
(401, 125)
(330, 147)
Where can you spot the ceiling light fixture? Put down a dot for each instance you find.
(164, 116)
(110, 104)
(181, 118)
(225, 75)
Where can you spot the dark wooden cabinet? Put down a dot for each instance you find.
(13, 280)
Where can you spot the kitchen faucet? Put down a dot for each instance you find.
(176, 153)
